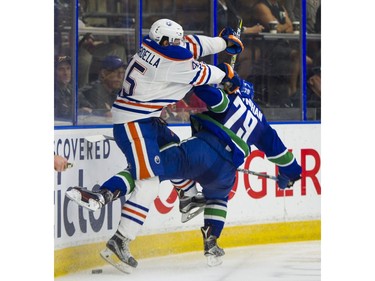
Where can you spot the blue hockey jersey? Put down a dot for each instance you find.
(238, 120)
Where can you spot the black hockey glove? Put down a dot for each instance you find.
(234, 44)
(285, 182)
(231, 81)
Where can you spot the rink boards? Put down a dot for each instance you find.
(258, 212)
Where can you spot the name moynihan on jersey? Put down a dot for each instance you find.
(148, 57)
(255, 110)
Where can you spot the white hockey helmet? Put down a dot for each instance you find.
(168, 28)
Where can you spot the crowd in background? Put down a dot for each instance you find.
(273, 66)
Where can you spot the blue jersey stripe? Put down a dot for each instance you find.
(132, 219)
(137, 206)
(196, 77)
(152, 101)
(200, 45)
(209, 75)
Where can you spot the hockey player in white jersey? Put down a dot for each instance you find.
(163, 70)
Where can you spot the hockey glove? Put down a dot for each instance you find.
(231, 81)
(234, 44)
(285, 182)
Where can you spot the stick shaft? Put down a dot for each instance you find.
(257, 174)
(97, 138)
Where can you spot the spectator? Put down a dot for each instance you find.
(283, 59)
(92, 50)
(253, 29)
(63, 88)
(102, 93)
(293, 8)
(251, 52)
(85, 59)
(314, 83)
(312, 22)
(91, 53)
(314, 91)
(63, 101)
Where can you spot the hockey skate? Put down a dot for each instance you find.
(118, 254)
(91, 200)
(212, 251)
(190, 207)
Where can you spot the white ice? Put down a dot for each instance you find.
(295, 261)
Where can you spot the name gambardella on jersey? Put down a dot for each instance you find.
(148, 57)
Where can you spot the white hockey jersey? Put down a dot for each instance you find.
(157, 76)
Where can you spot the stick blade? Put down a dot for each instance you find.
(95, 138)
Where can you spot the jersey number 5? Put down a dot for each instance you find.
(131, 80)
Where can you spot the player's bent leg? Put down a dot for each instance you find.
(133, 214)
(135, 210)
(91, 200)
(119, 185)
(117, 253)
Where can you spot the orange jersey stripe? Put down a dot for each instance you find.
(140, 105)
(204, 75)
(143, 171)
(134, 212)
(194, 47)
(186, 184)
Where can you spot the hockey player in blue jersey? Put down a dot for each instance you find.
(165, 68)
(220, 143)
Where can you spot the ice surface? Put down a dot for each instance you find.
(297, 261)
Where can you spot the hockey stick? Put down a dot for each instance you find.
(231, 8)
(239, 25)
(257, 174)
(97, 138)
(238, 35)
